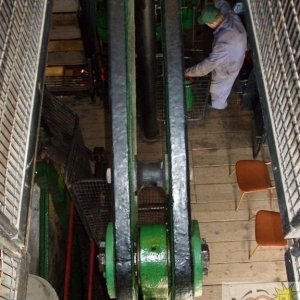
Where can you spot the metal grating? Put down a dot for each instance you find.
(9, 267)
(277, 35)
(152, 206)
(63, 139)
(94, 205)
(78, 165)
(20, 38)
(200, 92)
(59, 123)
(198, 88)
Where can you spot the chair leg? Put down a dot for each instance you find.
(240, 201)
(271, 197)
(253, 251)
(253, 217)
(232, 172)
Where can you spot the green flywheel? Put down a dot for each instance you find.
(110, 261)
(197, 260)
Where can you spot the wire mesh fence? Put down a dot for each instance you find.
(196, 90)
(277, 34)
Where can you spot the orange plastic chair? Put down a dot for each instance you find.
(268, 230)
(253, 176)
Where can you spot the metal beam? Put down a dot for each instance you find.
(180, 218)
(122, 99)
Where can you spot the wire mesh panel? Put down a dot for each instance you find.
(152, 206)
(94, 205)
(20, 38)
(277, 35)
(196, 89)
(78, 165)
(63, 139)
(59, 123)
(196, 94)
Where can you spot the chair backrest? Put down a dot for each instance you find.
(268, 229)
(252, 175)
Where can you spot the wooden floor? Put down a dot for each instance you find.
(215, 144)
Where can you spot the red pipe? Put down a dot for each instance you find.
(69, 253)
(91, 270)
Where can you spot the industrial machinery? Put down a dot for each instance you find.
(148, 245)
(165, 259)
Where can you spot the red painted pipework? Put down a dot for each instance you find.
(69, 253)
(91, 270)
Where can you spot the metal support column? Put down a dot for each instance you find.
(146, 66)
(122, 97)
(179, 193)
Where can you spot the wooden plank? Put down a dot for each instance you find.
(219, 192)
(91, 118)
(231, 124)
(97, 132)
(65, 6)
(270, 271)
(221, 215)
(150, 156)
(64, 19)
(239, 251)
(213, 175)
(96, 142)
(227, 231)
(211, 292)
(54, 71)
(216, 174)
(251, 206)
(149, 147)
(207, 140)
(66, 59)
(65, 46)
(219, 157)
(66, 32)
